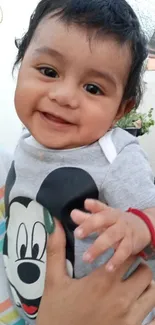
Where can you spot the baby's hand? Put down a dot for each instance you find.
(123, 231)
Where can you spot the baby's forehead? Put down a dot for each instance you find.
(74, 45)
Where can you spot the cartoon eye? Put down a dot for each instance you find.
(22, 241)
(39, 239)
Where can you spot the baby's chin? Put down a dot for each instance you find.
(61, 142)
(56, 142)
(63, 139)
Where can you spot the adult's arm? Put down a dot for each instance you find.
(99, 298)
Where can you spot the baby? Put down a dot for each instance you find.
(81, 63)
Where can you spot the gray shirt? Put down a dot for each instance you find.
(43, 181)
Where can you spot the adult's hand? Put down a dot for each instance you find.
(99, 298)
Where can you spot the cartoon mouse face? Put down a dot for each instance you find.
(26, 257)
(26, 238)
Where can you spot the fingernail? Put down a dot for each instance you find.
(87, 257)
(75, 211)
(79, 232)
(110, 268)
(49, 222)
(90, 200)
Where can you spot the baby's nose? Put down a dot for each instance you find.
(65, 94)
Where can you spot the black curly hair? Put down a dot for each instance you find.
(112, 17)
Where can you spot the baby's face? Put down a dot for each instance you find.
(69, 90)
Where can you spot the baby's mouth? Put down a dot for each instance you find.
(55, 119)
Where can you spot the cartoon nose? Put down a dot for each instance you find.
(28, 272)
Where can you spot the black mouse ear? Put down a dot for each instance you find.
(65, 189)
(10, 181)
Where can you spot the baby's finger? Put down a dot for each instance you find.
(123, 251)
(94, 223)
(95, 206)
(79, 216)
(106, 240)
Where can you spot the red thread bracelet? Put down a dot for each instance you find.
(150, 226)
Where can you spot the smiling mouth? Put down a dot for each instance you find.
(30, 306)
(55, 119)
(30, 310)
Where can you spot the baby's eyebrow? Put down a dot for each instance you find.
(49, 51)
(104, 75)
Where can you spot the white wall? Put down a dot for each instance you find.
(16, 17)
(148, 141)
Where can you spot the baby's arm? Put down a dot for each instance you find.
(129, 183)
(123, 231)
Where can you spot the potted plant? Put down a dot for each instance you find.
(137, 123)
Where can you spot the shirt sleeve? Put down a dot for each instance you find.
(130, 180)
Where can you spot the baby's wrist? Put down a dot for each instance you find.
(141, 233)
(145, 235)
(148, 252)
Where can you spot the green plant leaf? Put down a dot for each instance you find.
(129, 119)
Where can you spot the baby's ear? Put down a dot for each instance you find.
(125, 108)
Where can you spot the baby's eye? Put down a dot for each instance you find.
(48, 72)
(93, 89)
